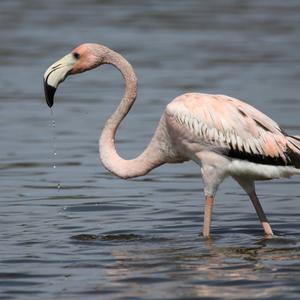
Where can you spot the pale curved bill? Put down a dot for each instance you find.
(56, 74)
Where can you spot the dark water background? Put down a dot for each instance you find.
(98, 237)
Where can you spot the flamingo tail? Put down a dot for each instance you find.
(294, 150)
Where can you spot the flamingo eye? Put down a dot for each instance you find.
(76, 55)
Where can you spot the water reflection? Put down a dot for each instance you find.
(209, 269)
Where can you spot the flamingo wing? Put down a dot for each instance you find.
(232, 127)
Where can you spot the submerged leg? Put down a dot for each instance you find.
(249, 187)
(208, 207)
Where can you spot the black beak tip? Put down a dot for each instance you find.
(49, 93)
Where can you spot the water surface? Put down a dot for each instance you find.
(98, 237)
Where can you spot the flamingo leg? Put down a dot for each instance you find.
(249, 188)
(208, 207)
(212, 178)
(261, 215)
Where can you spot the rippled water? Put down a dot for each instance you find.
(98, 237)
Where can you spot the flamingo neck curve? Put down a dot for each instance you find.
(109, 156)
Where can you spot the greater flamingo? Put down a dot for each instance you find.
(223, 135)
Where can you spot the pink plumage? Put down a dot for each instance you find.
(223, 135)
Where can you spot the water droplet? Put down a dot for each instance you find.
(54, 143)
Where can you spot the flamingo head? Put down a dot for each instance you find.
(83, 58)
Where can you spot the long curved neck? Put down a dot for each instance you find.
(108, 154)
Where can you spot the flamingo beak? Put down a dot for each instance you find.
(56, 74)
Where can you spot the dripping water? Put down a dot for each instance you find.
(54, 143)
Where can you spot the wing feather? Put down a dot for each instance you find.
(231, 127)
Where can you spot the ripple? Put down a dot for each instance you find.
(30, 165)
(94, 207)
(122, 237)
(84, 237)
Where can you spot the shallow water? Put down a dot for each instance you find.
(98, 237)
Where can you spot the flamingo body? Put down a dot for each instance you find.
(223, 135)
(231, 135)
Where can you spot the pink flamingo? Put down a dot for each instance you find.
(223, 135)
